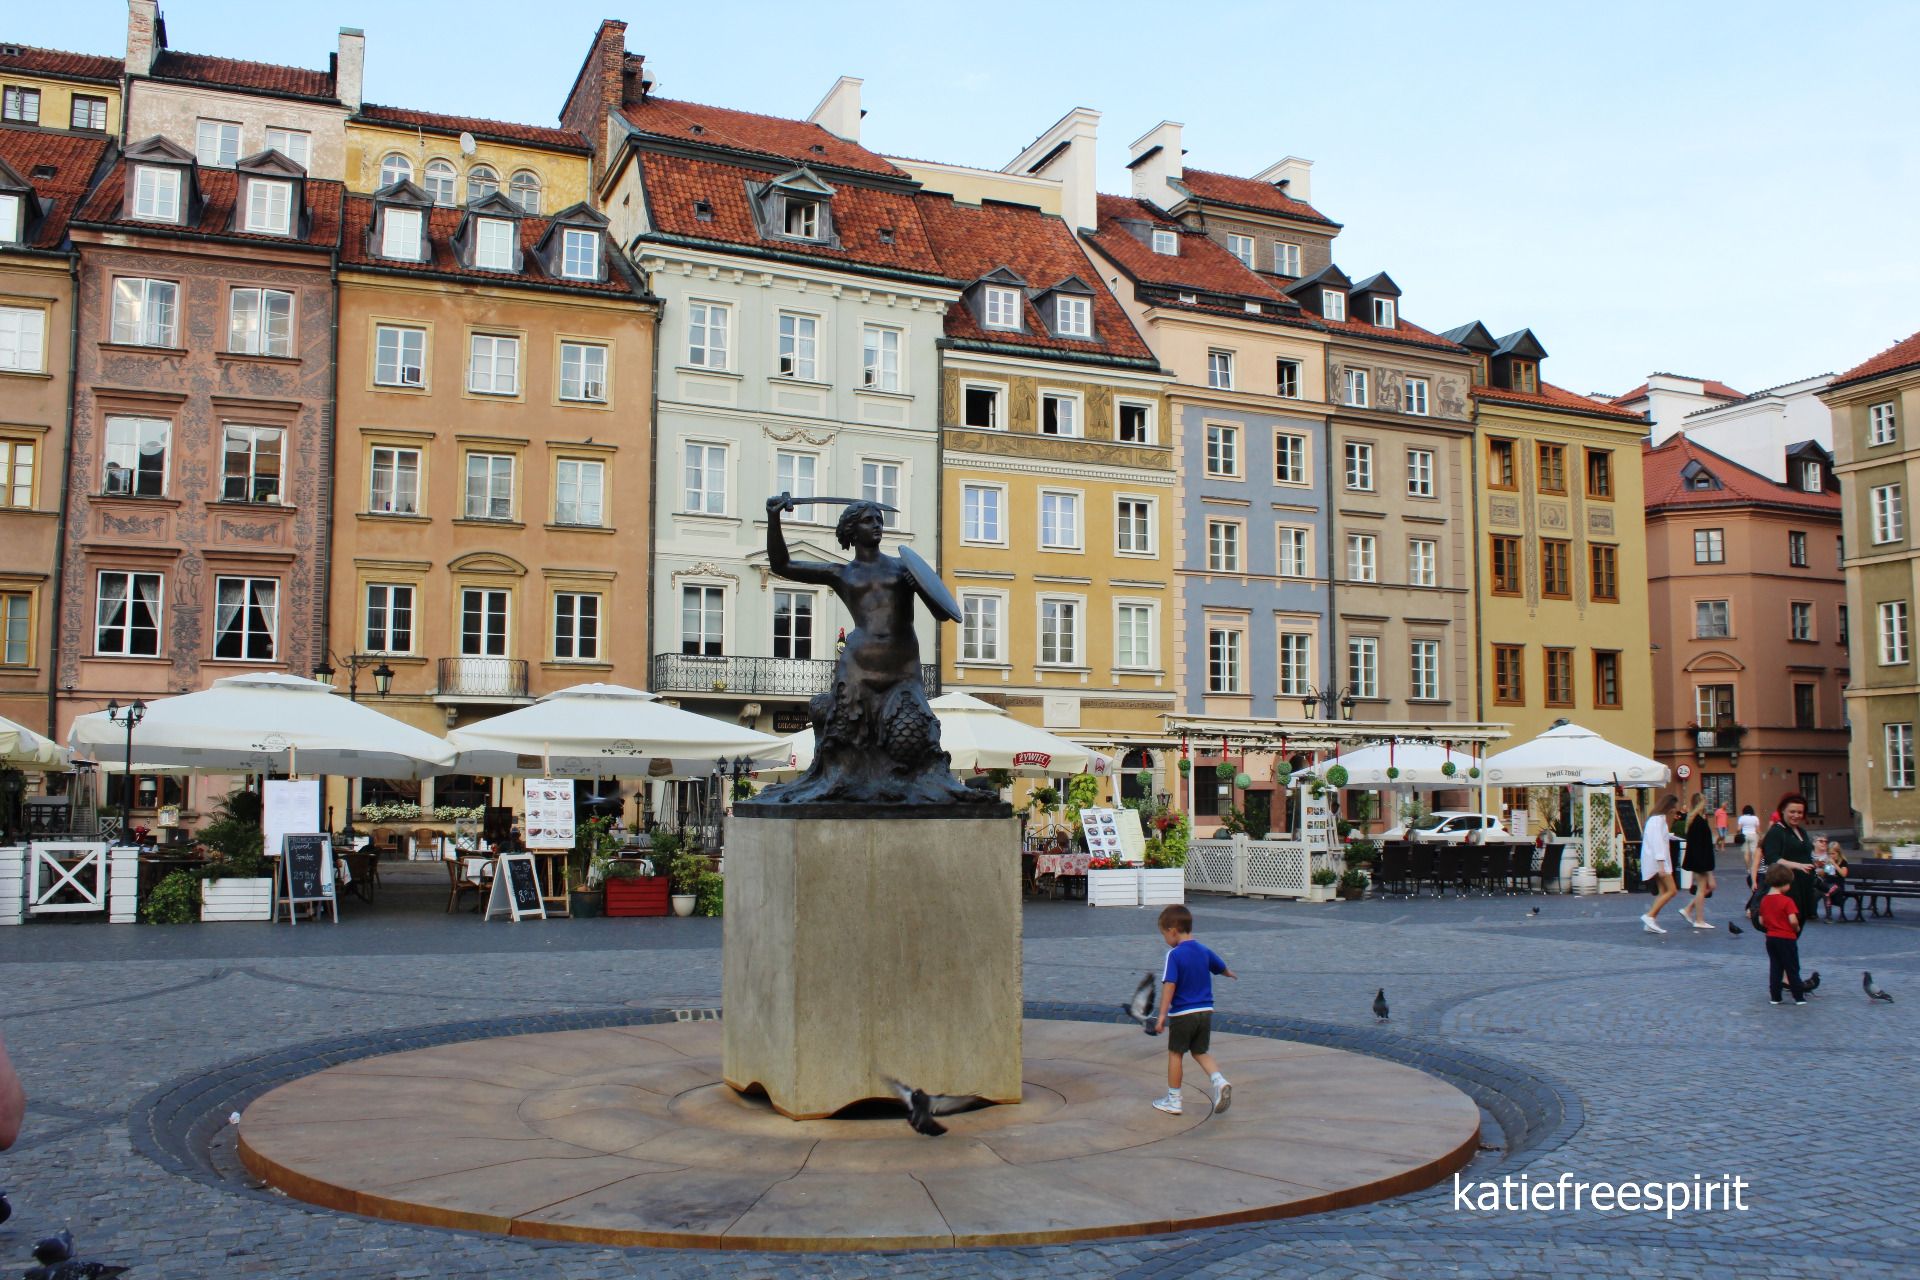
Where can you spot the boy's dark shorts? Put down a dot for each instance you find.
(1190, 1032)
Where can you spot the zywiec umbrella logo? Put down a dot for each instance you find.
(273, 743)
(1039, 759)
(624, 747)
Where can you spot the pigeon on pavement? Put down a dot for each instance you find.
(1873, 992)
(1734, 929)
(1812, 984)
(1380, 1004)
(1534, 912)
(1146, 999)
(55, 1256)
(922, 1107)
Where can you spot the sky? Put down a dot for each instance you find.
(1725, 190)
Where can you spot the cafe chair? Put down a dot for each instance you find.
(464, 875)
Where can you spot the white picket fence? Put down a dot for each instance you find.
(1250, 868)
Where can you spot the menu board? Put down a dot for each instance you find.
(1102, 830)
(306, 872)
(516, 888)
(1517, 824)
(286, 808)
(1316, 821)
(1133, 836)
(549, 813)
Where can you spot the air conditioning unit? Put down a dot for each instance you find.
(412, 375)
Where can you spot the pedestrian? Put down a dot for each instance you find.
(1750, 843)
(1698, 860)
(13, 1100)
(1186, 999)
(1719, 826)
(1781, 920)
(1656, 859)
(1833, 881)
(1788, 843)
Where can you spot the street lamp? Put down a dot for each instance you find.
(1330, 700)
(130, 715)
(382, 683)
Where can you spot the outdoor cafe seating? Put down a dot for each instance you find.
(1409, 870)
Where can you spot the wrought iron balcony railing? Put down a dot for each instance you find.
(482, 678)
(755, 677)
(1719, 738)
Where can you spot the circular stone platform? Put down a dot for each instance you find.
(626, 1136)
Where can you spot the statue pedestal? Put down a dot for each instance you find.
(859, 949)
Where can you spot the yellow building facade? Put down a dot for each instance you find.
(57, 90)
(541, 169)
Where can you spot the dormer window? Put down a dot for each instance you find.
(156, 193)
(800, 218)
(1700, 480)
(1811, 478)
(1073, 317)
(269, 206)
(1524, 375)
(1333, 304)
(1002, 308)
(13, 218)
(1166, 242)
(580, 254)
(1383, 313)
(493, 244)
(400, 234)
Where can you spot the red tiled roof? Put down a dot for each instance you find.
(1901, 355)
(674, 183)
(973, 240)
(800, 141)
(1248, 193)
(1665, 486)
(235, 73)
(1719, 390)
(494, 130)
(445, 264)
(1200, 266)
(74, 157)
(59, 64)
(1402, 330)
(218, 190)
(1552, 397)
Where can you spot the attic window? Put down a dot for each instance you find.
(818, 150)
(1002, 308)
(11, 231)
(269, 206)
(1253, 308)
(1166, 242)
(1811, 478)
(696, 128)
(886, 235)
(42, 172)
(1524, 375)
(1700, 480)
(1333, 304)
(800, 218)
(156, 193)
(493, 244)
(1383, 310)
(1073, 317)
(703, 210)
(1190, 298)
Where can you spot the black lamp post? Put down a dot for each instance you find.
(726, 774)
(1330, 701)
(130, 715)
(382, 683)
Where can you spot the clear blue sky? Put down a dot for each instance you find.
(1727, 190)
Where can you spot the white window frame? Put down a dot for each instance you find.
(86, 111)
(1889, 514)
(1895, 638)
(246, 634)
(1219, 369)
(1415, 400)
(1125, 527)
(1359, 465)
(706, 497)
(884, 480)
(12, 219)
(579, 475)
(1420, 469)
(1706, 613)
(1285, 386)
(583, 371)
(880, 358)
(521, 185)
(983, 514)
(797, 472)
(585, 633)
(395, 167)
(1166, 243)
(1423, 670)
(156, 193)
(216, 143)
(1363, 557)
(441, 181)
(1224, 546)
(1243, 248)
(1226, 662)
(260, 322)
(1286, 258)
(380, 638)
(798, 352)
(998, 391)
(1333, 305)
(400, 233)
(493, 364)
(1293, 556)
(1128, 614)
(1222, 451)
(493, 244)
(1076, 503)
(1078, 657)
(1898, 737)
(1384, 313)
(20, 104)
(400, 341)
(125, 628)
(1072, 317)
(796, 638)
(1069, 410)
(489, 635)
(1000, 308)
(1363, 666)
(1354, 388)
(394, 467)
(127, 452)
(146, 312)
(295, 144)
(1290, 459)
(800, 218)
(491, 504)
(709, 334)
(710, 593)
(1812, 479)
(1293, 652)
(1423, 562)
(983, 644)
(579, 253)
(23, 339)
(1883, 423)
(269, 206)
(253, 436)
(1148, 418)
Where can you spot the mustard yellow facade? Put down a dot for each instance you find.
(53, 101)
(371, 147)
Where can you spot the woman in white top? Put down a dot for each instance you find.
(1656, 858)
(1750, 842)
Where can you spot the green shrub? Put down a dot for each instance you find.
(175, 900)
(711, 889)
(684, 870)
(1324, 876)
(1361, 853)
(1353, 878)
(1606, 869)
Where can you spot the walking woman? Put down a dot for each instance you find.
(1750, 843)
(1787, 842)
(1699, 859)
(1656, 858)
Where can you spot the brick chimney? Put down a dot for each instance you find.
(145, 36)
(1156, 161)
(350, 66)
(598, 89)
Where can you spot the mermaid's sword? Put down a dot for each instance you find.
(844, 502)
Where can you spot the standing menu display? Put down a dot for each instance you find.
(1107, 839)
(306, 873)
(516, 888)
(287, 807)
(549, 813)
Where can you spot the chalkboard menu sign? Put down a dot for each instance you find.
(306, 873)
(516, 888)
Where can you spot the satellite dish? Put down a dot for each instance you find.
(466, 144)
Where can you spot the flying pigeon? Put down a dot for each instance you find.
(922, 1107)
(1380, 1004)
(1873, 992)
(1734, 929)
(55, 1256)
(1146, 999)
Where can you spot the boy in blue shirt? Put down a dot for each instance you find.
(1186, 996)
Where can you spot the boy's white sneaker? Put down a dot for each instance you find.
(1222, 1095)
(1169, 1105)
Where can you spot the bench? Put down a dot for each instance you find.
(1876, 882)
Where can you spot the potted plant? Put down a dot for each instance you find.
(1608, 877)
(632, 891)
(1353, 884)
(237, 883)
(1111, 885)
(1320, 884)
(1361, 853)
(684, 869)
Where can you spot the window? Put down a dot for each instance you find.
(1524, 375)
(1363, 666)
(1893, 633)
(156, 193)
(16, 473)
(389, 618)
(576, 616)
(20, 104)
(1220, 370)
(1165, 242)
(1889, 523)
(1060, 520)
(483, 623)
(1553, 468)
(1711, 620)
(1383, 313)
(980, 408)
(583, 372)
(1509, 674)
(980, 628)
(1296, 663)
(1556, 568)
(1002, 308)
(1713, 706)
(1241, 247)
(880, 482)
(489, 486)
(439, 182)
(579, 487)
(91, 113)
(1293, 552)
(524, 191)
(1603, 564)
(493, 368)
(400, 234)
(493, 244)
(1133, 527)
(1500, 464)
(707, 325)
(1059, 415)
(269, 206)
(1287, 378)
(1797, 549)
(126, 620)
(1133, 422)
(1424, 670)
(798, 344)
(1506, 565)
(1812, 478)
(1223, 660)
(1059, 633)
(399, 356)
(1223, 546)
(1840, 553)
(1223, 450)
(16, 628)
(1841, 632)
(1709, 546)
(1289, 458)
(1606, 678)
(251, 466)
(1423, 562)
(1600, 473)
(579, 254)
(1803, 706)
(706, 474)
(1799, 620)
(1810, 791)
(23, 339)
(1073, 317)
(395, 484)
(1133, 636)
(1286, 258)
(1559, 672)
(482, 182)
(980, 514)
(136, 457)
(793, 624)
(291, 143)
(1899, 739)
(1353, 384)
(1416, 398)
(1363, 558)
(1882, 425)
(1333, 304)
(260, 322)
(1359, 465)
(1420, 473)
(12, 229)
(800, 218)
(703, 619)
(880, 359)
(245, 618)
(217, 144)
(146, 313)
(395, 167)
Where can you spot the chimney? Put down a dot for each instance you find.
(1156, 162)
(349, 66)
(144, 39)
(598, 89)
(1296, 173)
(839, 112)
(1067, 153)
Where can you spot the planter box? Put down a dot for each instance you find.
(1319, 893)
(249, 899)
(1119, 887)
(638, 896)
(1162, 886)
(1613, 884)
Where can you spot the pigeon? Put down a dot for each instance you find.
(1812, 984)
(1146, 999)
(1873, 992)
(1380, 1004)
(233, 1118)
(1734, 929)
(922, 1107)
(6, 1207)
(55, 1256)
(1534, 912)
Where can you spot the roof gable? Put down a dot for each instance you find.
(802, 181)
(1521, 343)
(270, 164)
(1474, 337)
(1896, 358)
(1684, 472)
(1380, 284)
(159, 149)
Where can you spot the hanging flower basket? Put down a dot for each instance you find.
(1392, 773)
(1337, 776)
(1283, 774)
(1243, 780)
(1224, 771)
(1449, 769)
(1145, 779)
(1186, 767)
(1474, 772)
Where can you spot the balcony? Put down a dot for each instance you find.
(796, 678)
(1721, 739)
(482, 680)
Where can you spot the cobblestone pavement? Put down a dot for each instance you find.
(1676, 1064)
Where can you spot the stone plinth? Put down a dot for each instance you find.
(863, 949)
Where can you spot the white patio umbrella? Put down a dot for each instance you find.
(1569, 755)
(22, 748)
(1418, 762)
(605, 731)
(979, 736)
(252, 723)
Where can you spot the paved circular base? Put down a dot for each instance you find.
(625, 1136)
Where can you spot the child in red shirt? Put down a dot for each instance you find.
(1781, 921)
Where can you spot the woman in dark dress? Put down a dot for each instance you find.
(1698, 858)
(1787, 842)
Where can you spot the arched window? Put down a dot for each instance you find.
(440, 181)
(524, 191)
(481, 183)
(395, 168)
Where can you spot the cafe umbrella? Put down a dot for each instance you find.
(979, 737)
(605, 731)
